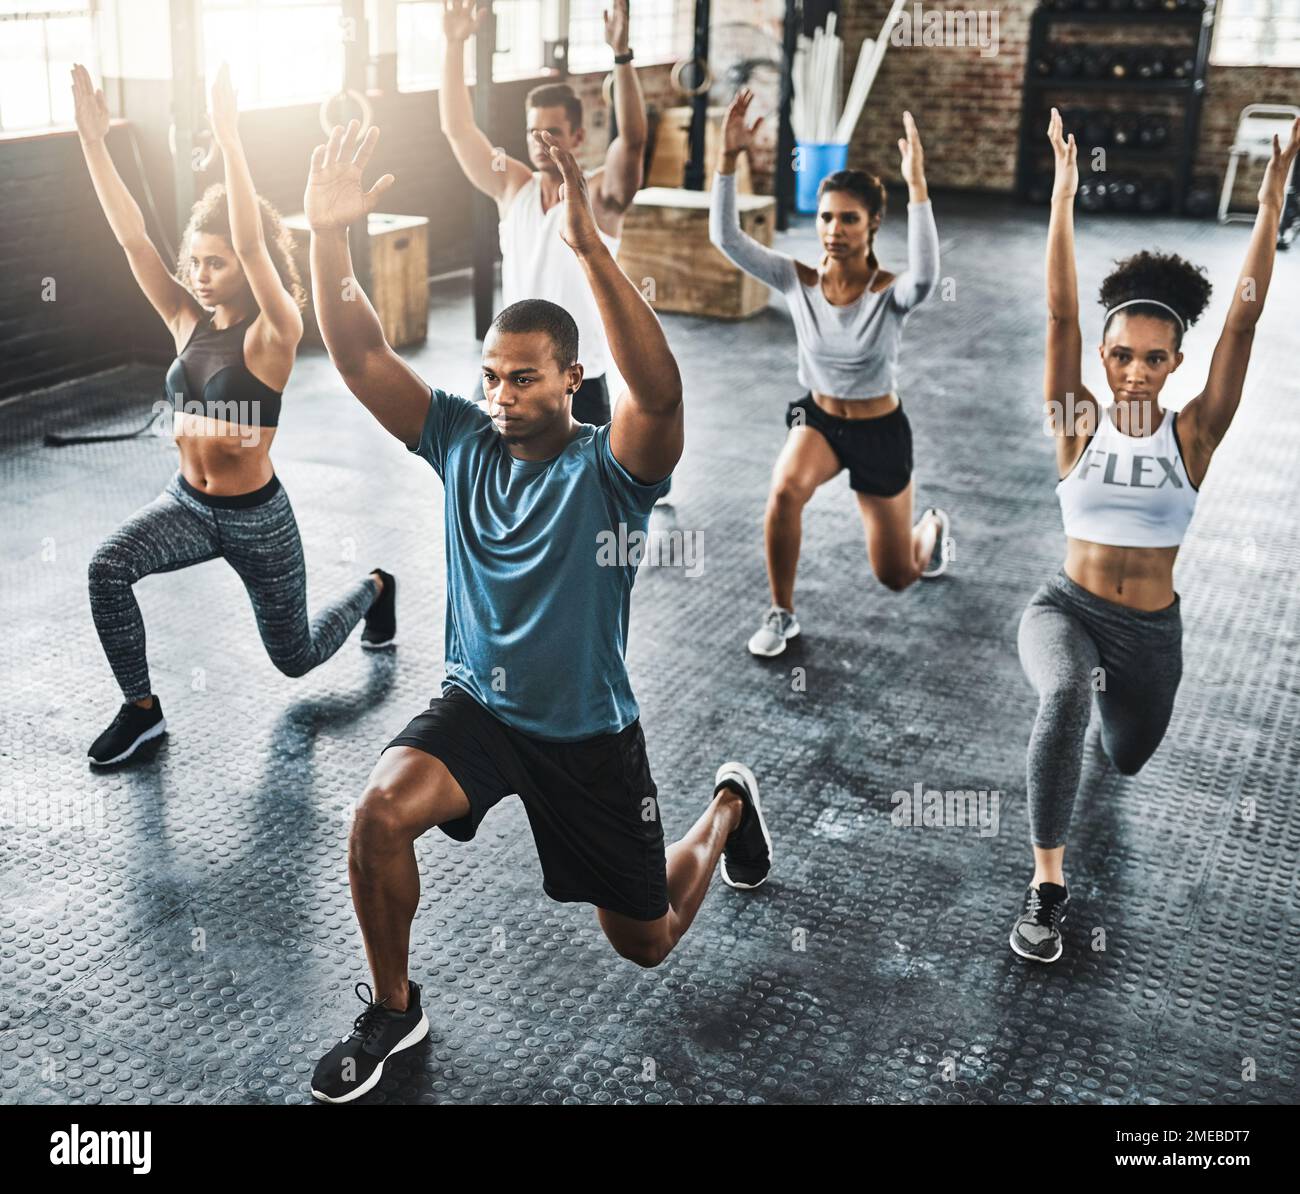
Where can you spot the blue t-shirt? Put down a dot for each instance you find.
(538, 579)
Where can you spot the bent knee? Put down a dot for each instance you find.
(647, 958)
(789, 494)
(111, 565)
(380, 816)
(895, 579)
(646, 954)
(1127, 762)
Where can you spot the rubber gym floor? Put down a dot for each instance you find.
(181, 931)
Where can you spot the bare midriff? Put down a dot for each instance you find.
(221, 458)
(1138, 577)
(856, 408)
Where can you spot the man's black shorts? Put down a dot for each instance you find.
(593, 805)
(877, 452)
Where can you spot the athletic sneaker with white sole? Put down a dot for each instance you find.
(130, 730)
(356, 1063)
(945, 546)
(1036, 935)
(747, 856)
(779, 626)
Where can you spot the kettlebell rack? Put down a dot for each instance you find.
(1150, 142)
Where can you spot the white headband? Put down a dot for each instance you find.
(1155, 303)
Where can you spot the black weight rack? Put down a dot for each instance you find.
(1183, 25)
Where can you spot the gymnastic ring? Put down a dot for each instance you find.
(367, 112)
(607, 90)
(675, 77)
(208, 158)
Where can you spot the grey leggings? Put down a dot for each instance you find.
(258, 537)
(1074, 645)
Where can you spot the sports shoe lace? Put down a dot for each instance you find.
(1044, 912)
(370, 1023)
(773, 621)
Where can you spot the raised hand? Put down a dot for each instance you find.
(736, 133)
(1272, 189)
(1067, 154)
(91, 107)
(579, 231)
(334, 198)
(616, 27)
(911, 153)
(460, 21)
(223, 108)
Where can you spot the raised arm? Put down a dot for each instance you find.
(1208, 416)
(918, 281)
(387, 387)
(1072, 410)
(741, 249)
(493, 172)
(282, 321)
(625, 158)
(647, 434)
(169, 298)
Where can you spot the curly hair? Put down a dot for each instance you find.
(211, 215)
(1165, 277)
(868, 190)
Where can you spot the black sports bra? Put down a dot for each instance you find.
(210, 378)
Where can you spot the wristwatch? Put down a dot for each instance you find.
(621, 59)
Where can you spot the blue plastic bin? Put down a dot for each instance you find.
(816, 159)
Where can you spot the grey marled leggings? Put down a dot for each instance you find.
(1075, 645)
(257, 535)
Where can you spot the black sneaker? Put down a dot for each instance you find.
(1036, 935)
(131, 729)
(747, 856)
(381, 618)
(356, 1063)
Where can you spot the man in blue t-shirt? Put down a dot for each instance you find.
(539, 511)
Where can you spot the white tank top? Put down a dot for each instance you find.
(1129, 490)
(536, 263)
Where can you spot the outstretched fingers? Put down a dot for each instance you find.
(564, 159)
(372, 196)
(367, 147)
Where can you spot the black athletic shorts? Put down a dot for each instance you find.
(877, 452)
(592, 805)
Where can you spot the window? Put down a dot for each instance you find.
(420, 44)
(661, 32)
(1257, 33)
(279, 51)
(659, 29)
(39, 42)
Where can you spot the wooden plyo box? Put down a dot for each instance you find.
(672, 148)
(667, 253)
(399, 271)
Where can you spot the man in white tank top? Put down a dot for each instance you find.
(535, 262)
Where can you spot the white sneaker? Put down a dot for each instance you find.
(944, 544)
(779, 625)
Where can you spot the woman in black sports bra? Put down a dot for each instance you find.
(233, 307)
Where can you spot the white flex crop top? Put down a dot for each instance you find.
(1129, 490)
(848, 351)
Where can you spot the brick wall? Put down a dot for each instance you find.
(968, 106)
